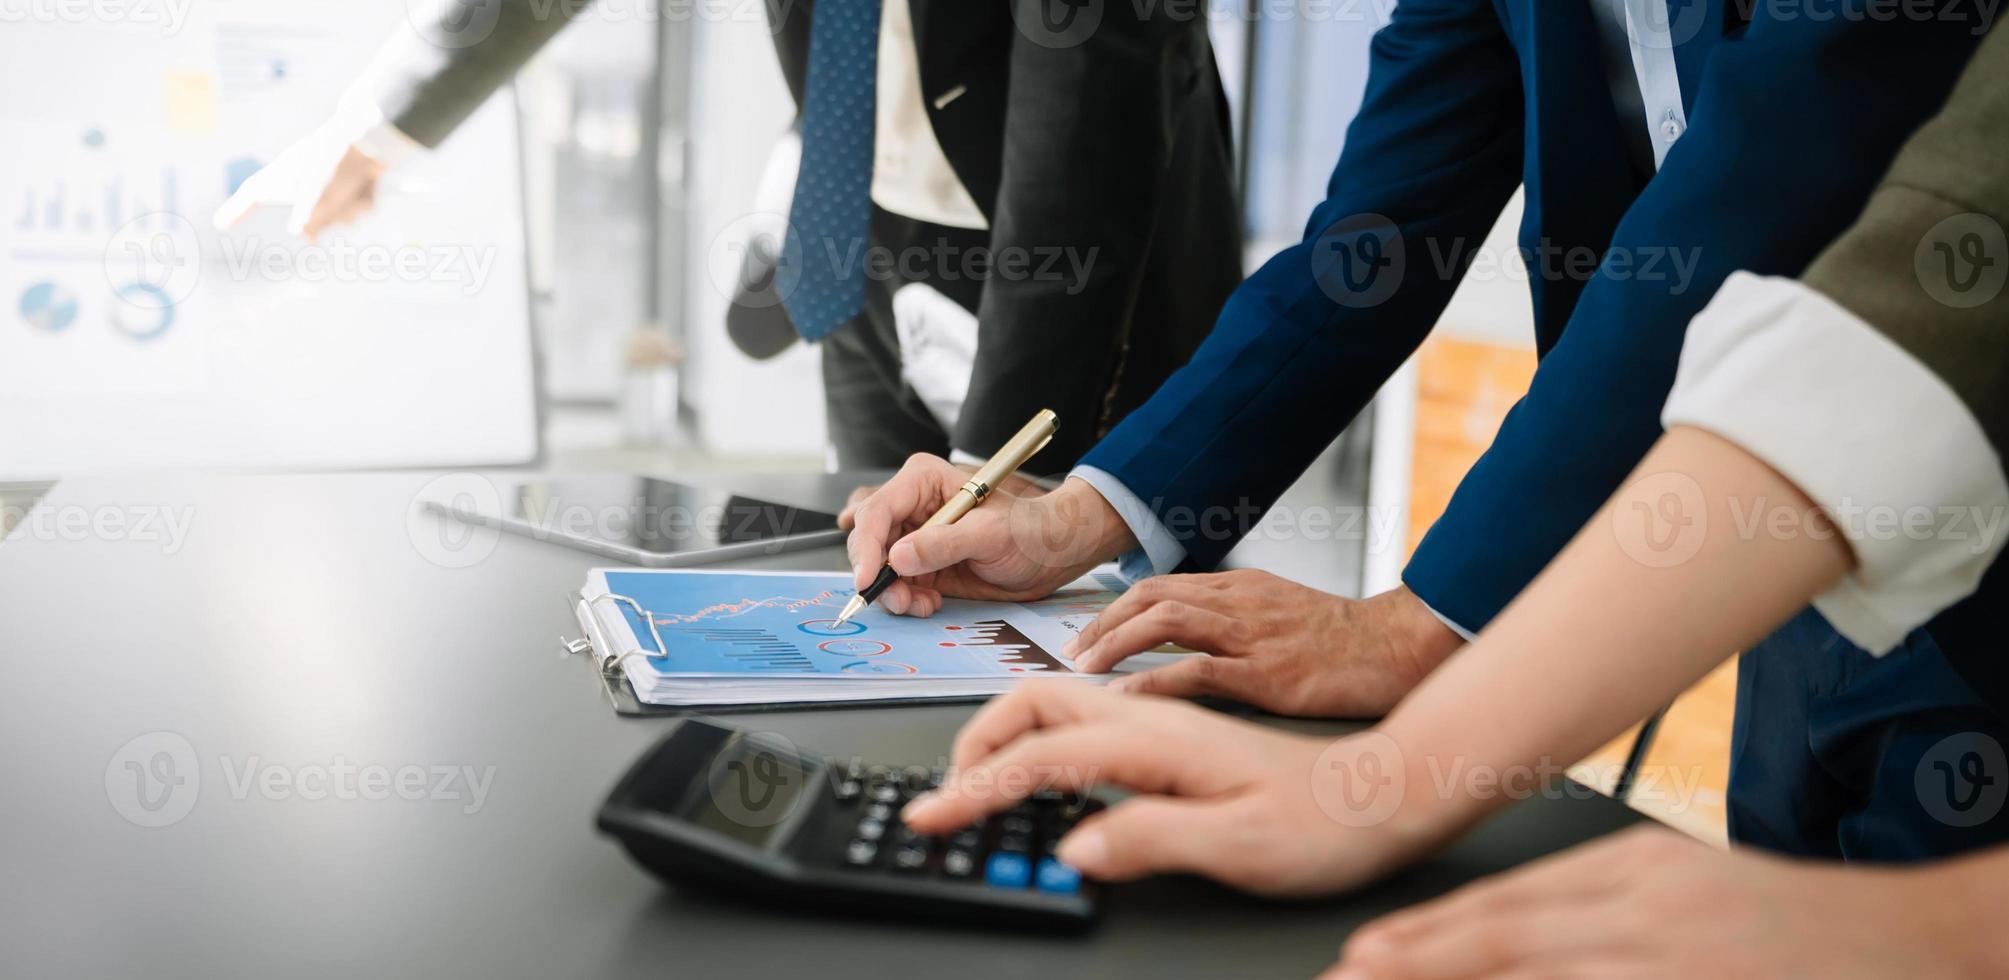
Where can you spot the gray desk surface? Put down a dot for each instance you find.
(298, 630)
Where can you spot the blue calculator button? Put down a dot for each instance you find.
(1008, 871)
(1058, 878)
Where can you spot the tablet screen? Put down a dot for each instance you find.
(657, 516)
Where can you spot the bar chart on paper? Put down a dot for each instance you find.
(744, 636)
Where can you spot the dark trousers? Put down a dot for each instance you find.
(1838, 754)
(876, 420)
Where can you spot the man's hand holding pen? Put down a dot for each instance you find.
(1018, 545)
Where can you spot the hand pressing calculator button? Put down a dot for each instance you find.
(727, 811)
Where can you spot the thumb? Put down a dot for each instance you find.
(931, 549)
(1149, 834)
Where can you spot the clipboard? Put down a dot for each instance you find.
(622, 698)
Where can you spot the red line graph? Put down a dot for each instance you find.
(727, 610)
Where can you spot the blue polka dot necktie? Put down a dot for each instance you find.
(832, 213)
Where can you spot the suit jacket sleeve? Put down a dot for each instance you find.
(1306, 341)
(1761, 182)
(1948, 183)
(429, 80)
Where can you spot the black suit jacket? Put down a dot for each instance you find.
(1104, 136)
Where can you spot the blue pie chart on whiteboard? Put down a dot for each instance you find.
(146, 313)
(48, 306)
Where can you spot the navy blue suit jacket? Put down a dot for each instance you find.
(1792, 121)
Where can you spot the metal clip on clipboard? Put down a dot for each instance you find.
(593, 643)
(594, 640)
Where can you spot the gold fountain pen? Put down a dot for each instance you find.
(1012, 455)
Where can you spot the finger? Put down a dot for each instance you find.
(1588, 871)
(1031, 706)
(1589, 969)
(1152, 835)
(1167, 622)
(927, 602)
(1488, 945)
(909, 497)
(931, 549)
(1138, 600)
(897, 598)
(249, 197)
(1193, 676)
(1075, 757)
(335, 200)
(858, 496)
(1135, 600)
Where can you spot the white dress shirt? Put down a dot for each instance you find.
(911, 176)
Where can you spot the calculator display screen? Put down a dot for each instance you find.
(748, 792)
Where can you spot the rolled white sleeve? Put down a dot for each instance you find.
(1158, 552)
(1871, 435)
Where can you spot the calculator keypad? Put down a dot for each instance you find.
(1011, 850)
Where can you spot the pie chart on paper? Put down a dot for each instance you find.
(48, 307)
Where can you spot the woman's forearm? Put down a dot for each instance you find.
(1704, 551)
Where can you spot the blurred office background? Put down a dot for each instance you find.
(641, 137)
(645, 145)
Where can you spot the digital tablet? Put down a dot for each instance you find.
(645, 521)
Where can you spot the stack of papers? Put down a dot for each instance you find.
(735, 638)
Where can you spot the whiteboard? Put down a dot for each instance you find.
(134, 335)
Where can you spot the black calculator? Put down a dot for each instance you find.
(749, 815)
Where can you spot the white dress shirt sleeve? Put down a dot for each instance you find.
(1158, 552)
(1871, 435)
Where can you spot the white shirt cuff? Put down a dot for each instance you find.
(1158, 552)
(388, 145)
(1871, 435)
(360, 122)
(1468, 635)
